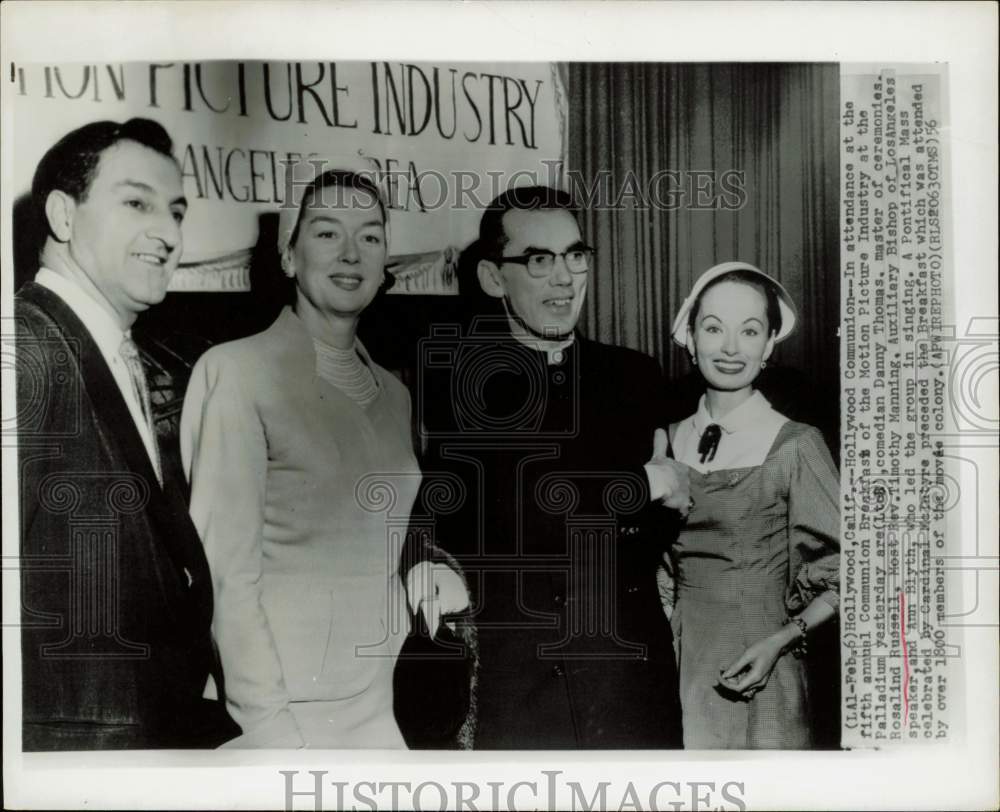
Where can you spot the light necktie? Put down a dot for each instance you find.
(129, 353)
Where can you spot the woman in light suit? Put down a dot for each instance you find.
(280, 433)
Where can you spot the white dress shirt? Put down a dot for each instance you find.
(748, 433)
(108, 336)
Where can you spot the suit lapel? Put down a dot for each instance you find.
(105, 397)
(167, 512)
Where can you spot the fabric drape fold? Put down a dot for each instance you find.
(645, 136)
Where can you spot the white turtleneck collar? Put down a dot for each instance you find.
(345, 370)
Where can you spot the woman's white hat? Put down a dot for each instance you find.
(679, 331)
(299, 174)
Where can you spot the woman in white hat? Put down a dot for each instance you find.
(279, 434)
(756, 566)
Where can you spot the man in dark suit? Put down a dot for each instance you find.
(115, 593)
(536, 439)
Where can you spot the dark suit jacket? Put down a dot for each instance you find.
(116, 594)
(557, 538)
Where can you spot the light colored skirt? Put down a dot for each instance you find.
(337, 639)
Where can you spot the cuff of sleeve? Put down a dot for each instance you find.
(830, 597)
(280, 732)
(657, 483)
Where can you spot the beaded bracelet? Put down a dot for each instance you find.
(800, 645)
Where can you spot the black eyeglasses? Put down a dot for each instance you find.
(539, 264)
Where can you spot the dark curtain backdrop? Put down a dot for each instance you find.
(778, 124)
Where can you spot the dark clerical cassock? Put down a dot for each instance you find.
(534, 480)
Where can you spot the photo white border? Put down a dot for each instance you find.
(962, 774)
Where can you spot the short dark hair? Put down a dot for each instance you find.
(492, 237)
(772, 309)
(344, 179)
(70, 165)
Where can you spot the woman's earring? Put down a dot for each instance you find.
(694, 360)
(763, 364)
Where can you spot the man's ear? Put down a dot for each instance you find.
(489, 279)
(60, 208)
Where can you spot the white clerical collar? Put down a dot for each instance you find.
(555, 351)
(103, 328)
(748, 414)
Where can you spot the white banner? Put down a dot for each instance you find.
(446, 139)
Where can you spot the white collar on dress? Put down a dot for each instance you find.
(748, 432)
(749, 414)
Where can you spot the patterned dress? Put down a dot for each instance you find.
(760, 543)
